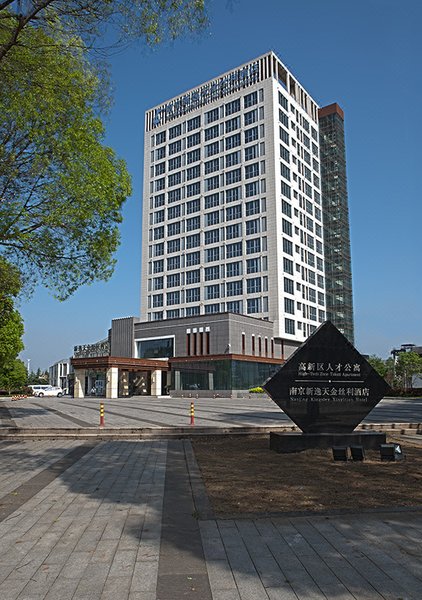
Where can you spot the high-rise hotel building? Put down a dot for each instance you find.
(234, 214)
(245, 239)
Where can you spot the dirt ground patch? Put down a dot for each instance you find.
(242, 475)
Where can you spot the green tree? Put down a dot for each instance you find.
(13, 376)
(61, 189)
(11, 326)
(378, 364)
(408, 364)
(90, 20)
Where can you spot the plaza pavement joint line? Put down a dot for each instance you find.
(15, 499)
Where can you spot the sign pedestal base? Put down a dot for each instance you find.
(297, 442)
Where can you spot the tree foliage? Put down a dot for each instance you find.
(11, 326)
(408, 364)
(13, 376)
(61, 189)
(118, 20)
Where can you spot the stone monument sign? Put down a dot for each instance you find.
(327, 386)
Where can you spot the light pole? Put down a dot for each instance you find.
(28, 360)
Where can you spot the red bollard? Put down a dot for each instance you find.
(192, 413)
(101, 414)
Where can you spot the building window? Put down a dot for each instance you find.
(212, 183)
(235, 306)
(287, 247)
(212, 200)
(193, 140)
(174, 196)
(212, 132)
(193, 294)
(212, 273)
(158, 266)
(234, 288)
(253, 285)
(173, 212)
(158, 232)
(193, 156)
(243, 343)
(288, 266)
(233, 176)
(212, 165)
(175, 131)
(192, 206)
(193, 276)
(173, 262)
(232, 107)
(289, 306)
(212, 218)
(175, 163)
(252, 227)
(234, 212)
(193, 189)
(233, 194)
(212, 149)
(175, 147)
(193, 241)
(251, 135)
(252, 170)
(173, 246)
(158, 283)
(233, 159)
(173, 298)
(192, 311)
(160, 169)
(250, 100)
(159, 200)
(173, 280)
(157, 300)
(209, 310)
(253, 265)
(212, 237)
(192, 259)
(253, 246)
(173, 229)
(211, 115)
(250, 117)
(194, 123)
(251, 152)
(174, 313)
(233, 141)
(159, 249)
(253, 305)
(193, 172)
(212, 292)
(252, 189)
(175, 179)
(289, 326)
(232, 124)
(233, 231)
(288, 286)
(233, 250)
(233, 269)
(212, 254)
(193, 223)
(160, 138)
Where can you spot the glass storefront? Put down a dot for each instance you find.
(134, 383)
(159, 348)
(225, 374)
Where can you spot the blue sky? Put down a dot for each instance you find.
(366, 56)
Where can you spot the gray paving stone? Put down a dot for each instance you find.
(145, 577)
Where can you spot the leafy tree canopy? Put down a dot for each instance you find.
(13, 376)
(61, 189)
(122, 20)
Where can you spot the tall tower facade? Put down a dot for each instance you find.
(338, 273)
(233, 207)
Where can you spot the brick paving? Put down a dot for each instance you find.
(130, 520)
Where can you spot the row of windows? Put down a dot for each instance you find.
(212, 236)
(231, 212)
(230, 108)
(210, 292)
(252, 306)
(230, 177)
(252, 188)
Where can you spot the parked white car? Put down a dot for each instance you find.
(47, 390)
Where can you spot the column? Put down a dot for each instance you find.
(156, 383)
(112, 382)
(78, 391)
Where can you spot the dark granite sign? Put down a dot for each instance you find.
(326, 386)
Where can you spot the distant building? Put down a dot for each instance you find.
(58, 374)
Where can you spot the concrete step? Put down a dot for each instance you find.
(115, 433)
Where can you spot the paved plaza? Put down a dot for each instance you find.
(155, 412)
(130, 519)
